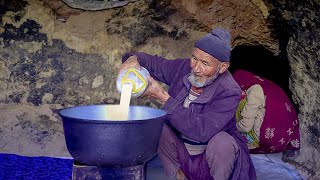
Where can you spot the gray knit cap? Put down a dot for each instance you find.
(217, 44)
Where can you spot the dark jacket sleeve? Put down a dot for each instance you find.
(203, 125)
(159, 68)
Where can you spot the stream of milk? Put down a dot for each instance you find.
(120, 112)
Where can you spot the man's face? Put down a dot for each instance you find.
(205, 68)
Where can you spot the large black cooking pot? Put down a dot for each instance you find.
(94, 140)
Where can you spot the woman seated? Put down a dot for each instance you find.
(265, 116)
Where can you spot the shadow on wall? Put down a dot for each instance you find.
(262, 62)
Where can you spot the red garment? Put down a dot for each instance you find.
(196, 90)
(280, 127)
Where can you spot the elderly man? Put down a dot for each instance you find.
(200, 139)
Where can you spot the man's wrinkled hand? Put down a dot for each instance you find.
(131, 62)
(155, 90)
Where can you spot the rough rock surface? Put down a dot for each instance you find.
(31, 130)
(305, 85)
(297, 25)
(245, 20)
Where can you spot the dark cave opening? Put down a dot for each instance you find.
(262, 62)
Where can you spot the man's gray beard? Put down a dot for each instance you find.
(192, 80)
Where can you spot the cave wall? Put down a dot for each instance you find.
(53, 56)
(297, 26)
(246, 21)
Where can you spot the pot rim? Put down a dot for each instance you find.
(101, 121)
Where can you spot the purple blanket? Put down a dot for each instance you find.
(22, 167)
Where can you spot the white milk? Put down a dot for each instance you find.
(125, 99)
(120, 112)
